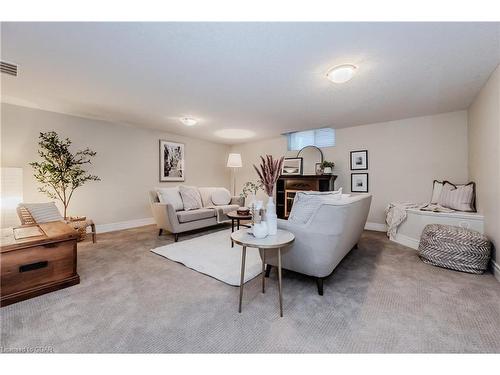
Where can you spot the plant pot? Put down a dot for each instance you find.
(327, 170)
(271, 218)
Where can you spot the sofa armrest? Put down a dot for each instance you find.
(240, 201)
(165, 216)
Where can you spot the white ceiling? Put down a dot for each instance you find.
(264, 77)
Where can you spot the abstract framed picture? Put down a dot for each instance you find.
(172, 166)
(292, 166)
(359, 160)
(359, 182)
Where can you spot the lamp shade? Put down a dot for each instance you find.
(234, 161)
(11, 195)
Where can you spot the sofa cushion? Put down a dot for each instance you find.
(190, 197)
(221, 196)
(172, 196)
(43, 212)
(306, 204)
(206, 195)
(193, 215)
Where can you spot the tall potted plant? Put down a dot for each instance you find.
(61, 172)
(269, 172)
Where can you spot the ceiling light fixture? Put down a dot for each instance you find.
(341, 73)
(234, 133)
(189, 121)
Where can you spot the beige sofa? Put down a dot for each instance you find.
(171, 217)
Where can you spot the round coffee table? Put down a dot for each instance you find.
(236, 217)
(246, 239)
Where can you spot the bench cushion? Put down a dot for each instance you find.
(193, 215)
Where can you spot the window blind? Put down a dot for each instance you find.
(324, 137)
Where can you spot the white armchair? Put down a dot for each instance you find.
(328, 236)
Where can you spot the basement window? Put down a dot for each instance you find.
(324, 137)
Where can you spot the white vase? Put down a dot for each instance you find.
(259, 230)
(327, 170)
(271, 218)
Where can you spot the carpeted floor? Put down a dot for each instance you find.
(381, 298)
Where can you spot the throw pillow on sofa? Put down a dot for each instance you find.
(305, 204)
(43, 212)
(172, 196)
(458, 197)
(221, 197)
(190, 197)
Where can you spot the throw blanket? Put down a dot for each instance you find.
(395, 213)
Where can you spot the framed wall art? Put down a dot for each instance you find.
(359, 182)
(359, 160)
(172, 165)
(292, 166)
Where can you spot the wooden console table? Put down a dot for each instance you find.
(35, 265)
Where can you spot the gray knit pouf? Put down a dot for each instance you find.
(454, 248)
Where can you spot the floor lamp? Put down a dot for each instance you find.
(234, 162)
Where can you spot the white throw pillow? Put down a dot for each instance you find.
(172, 196)
(190, 197)
(43, 212)
(221, 197)
(206, 195)
(458, 197)
(305, 204)
(436, 191)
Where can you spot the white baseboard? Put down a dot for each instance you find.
(111, 227)
(376, 226)
(406, 241)
(496, 269)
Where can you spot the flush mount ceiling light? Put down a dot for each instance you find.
(189, 121)
(341, 73)
(234, 133)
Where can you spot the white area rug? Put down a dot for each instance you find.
(212, 255)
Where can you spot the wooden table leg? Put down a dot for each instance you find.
(279, 282)
(242, 279)
(263, 256)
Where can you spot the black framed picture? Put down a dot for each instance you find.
(171, 161)
(359, 182)
(359, 160)
(292, 166)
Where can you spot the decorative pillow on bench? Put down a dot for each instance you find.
(458, 197)
(43, 212)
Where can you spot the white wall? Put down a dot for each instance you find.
(405, 156)
(484, 155)
(126, 161)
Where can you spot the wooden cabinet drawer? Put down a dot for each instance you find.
(301, 184)
(38, 265)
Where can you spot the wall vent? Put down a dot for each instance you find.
(8, 68)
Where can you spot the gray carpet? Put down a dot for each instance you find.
(381, 298)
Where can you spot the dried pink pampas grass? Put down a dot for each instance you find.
(269, 172)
